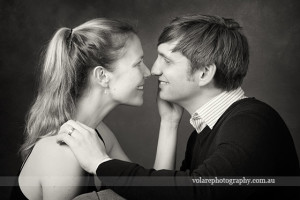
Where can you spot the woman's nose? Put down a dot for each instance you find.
(146, 71)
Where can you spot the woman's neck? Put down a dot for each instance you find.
(92, 108)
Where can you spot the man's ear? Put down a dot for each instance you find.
(101, 76)
(206, 74)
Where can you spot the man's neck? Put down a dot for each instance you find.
(193, 104)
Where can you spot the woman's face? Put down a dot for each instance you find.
(126, 83)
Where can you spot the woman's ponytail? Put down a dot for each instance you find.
(54, 103)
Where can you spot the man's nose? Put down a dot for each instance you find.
(156, 71)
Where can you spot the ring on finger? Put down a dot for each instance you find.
(71, 131)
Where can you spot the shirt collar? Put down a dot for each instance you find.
(209, 113)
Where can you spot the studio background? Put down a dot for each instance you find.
(271, 26)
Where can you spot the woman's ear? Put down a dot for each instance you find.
(101, 76)
(206, 74)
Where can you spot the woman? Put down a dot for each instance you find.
(87, 71)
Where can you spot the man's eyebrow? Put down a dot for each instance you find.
(163, 55)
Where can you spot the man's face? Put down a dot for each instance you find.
(173, 69)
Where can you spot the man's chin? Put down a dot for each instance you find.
(165, 97)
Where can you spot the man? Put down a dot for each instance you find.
(201, 63)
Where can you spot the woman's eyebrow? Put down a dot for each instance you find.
(138, 60)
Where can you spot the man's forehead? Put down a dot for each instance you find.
(166, 50)
(167, 47)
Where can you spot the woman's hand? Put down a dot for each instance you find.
(169, 112)
(87, 147)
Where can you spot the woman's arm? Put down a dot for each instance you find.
(170, 114)
(166, 147)
(113, 148)
(60, 175)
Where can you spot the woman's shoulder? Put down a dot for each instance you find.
(51, 164)
(49, 146)
(51, 158)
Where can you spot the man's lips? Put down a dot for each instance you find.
(161, 82)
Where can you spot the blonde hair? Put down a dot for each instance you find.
(70, 56)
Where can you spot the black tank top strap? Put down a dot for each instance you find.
(24, 161)
(100, 136)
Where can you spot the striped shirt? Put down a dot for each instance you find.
(209, 113)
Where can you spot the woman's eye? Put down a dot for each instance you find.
(139, 63)
(167, 61)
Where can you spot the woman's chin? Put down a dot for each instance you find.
(136, 102)
(139, 103)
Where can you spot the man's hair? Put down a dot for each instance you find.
(207, 40)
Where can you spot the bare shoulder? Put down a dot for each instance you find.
(50, 146)
(54, 159)
(51, 164)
